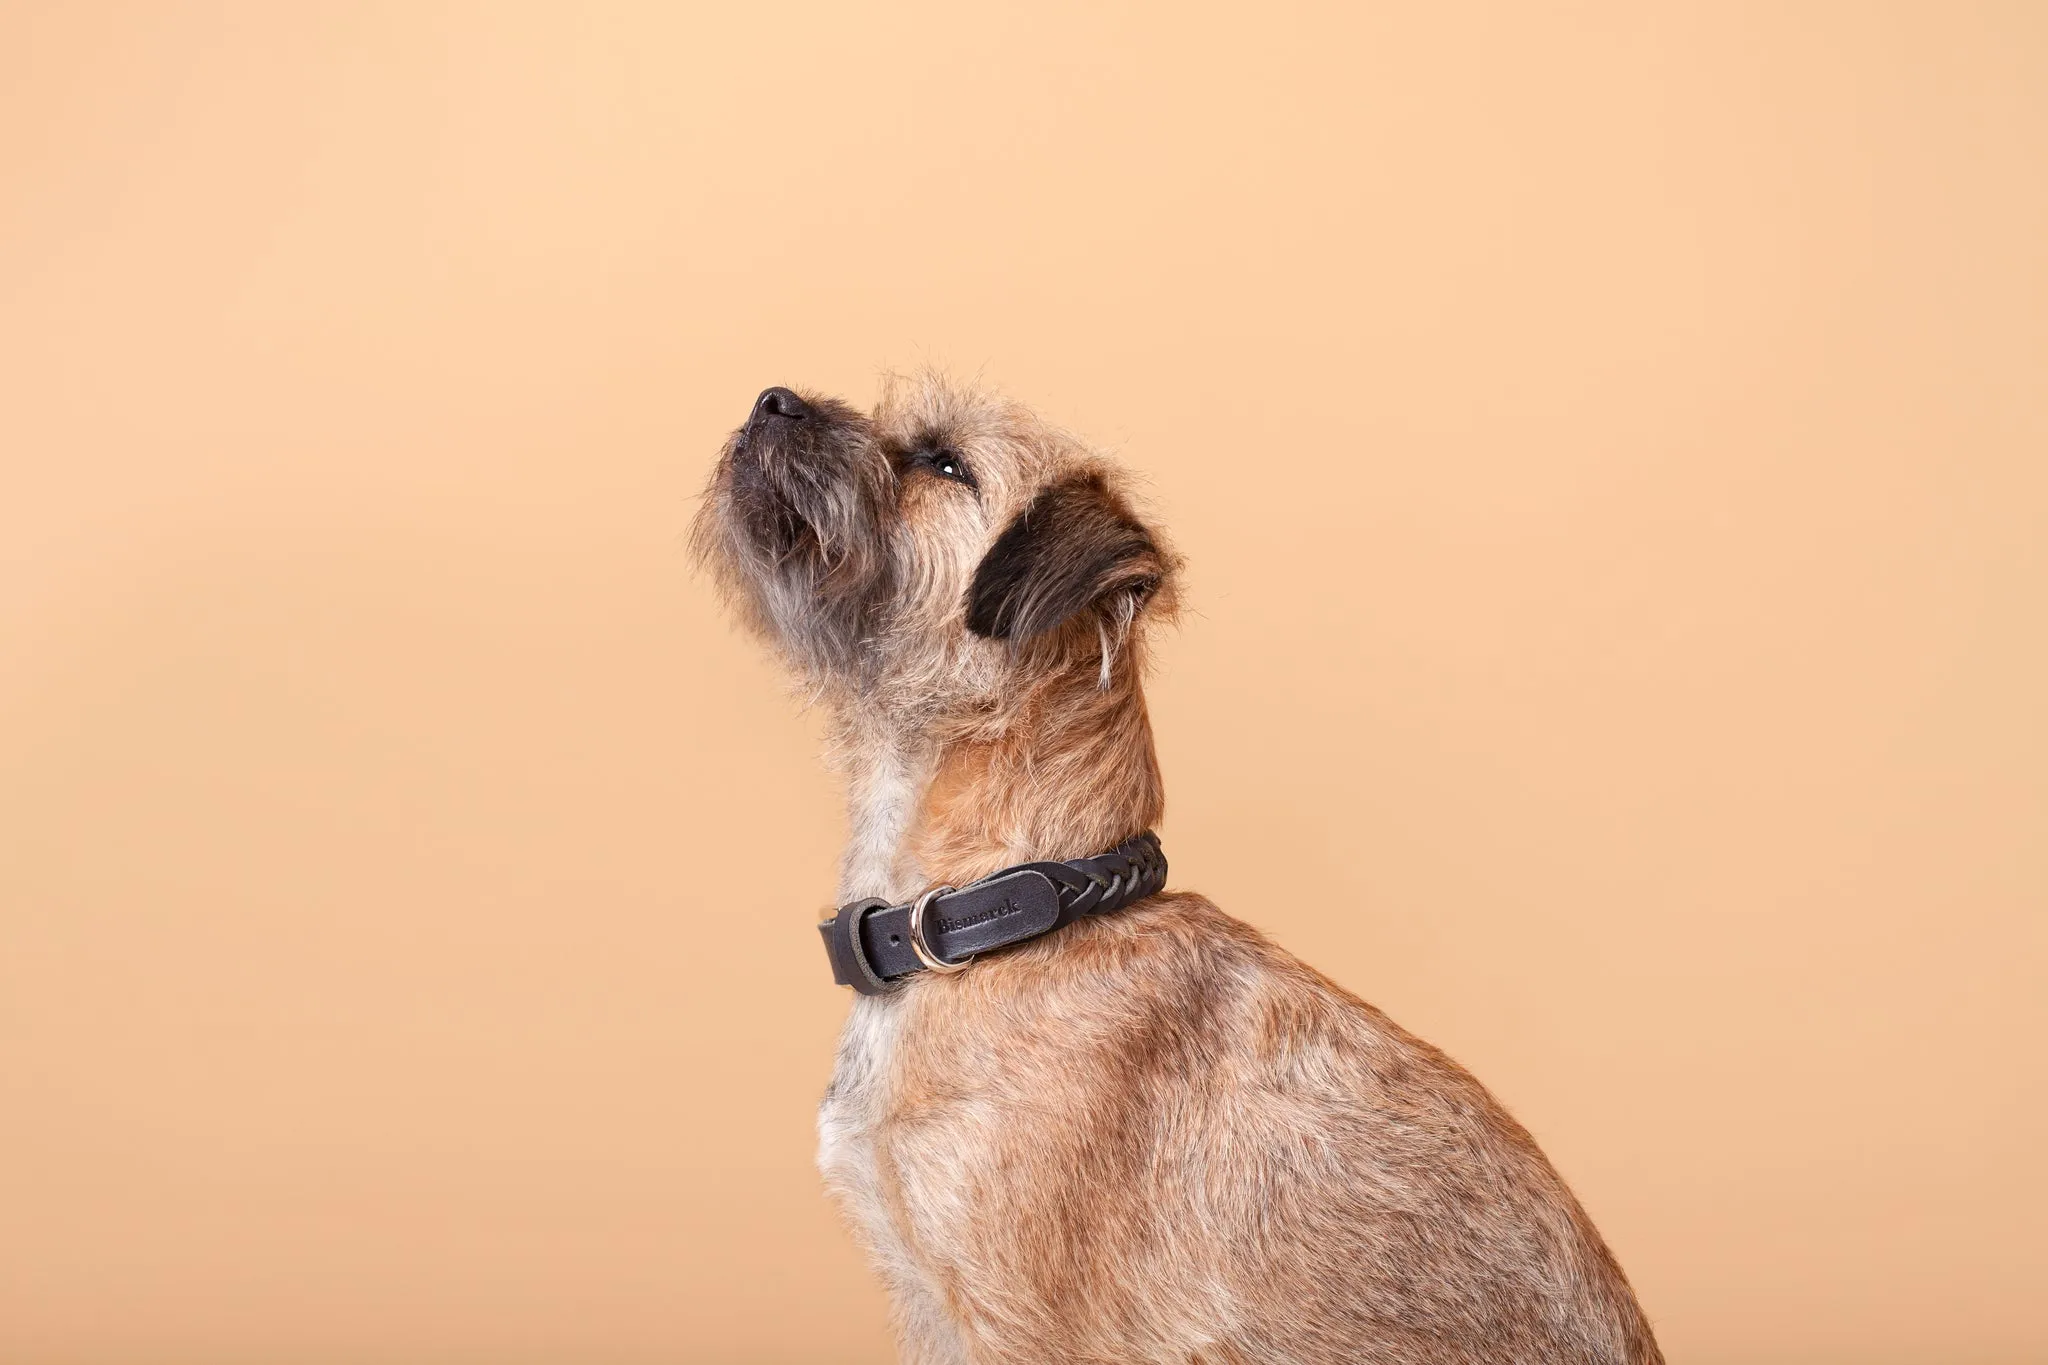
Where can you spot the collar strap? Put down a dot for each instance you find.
(874, 945)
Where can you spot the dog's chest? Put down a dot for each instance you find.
(855, 1105)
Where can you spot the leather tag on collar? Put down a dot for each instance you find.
(992, 914)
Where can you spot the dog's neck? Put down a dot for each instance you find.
(1066, 769)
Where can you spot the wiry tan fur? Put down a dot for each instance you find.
(1153, 1136)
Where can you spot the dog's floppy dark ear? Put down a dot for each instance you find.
(1076, 547)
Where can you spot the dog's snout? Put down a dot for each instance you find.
(781, 402)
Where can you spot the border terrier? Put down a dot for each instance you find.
(1074, 1117)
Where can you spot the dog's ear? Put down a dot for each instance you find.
(1076, 548)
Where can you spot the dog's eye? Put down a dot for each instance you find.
(948, 464)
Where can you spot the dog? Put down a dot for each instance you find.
(1131, 1129)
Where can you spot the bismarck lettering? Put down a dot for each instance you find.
(1005, 910)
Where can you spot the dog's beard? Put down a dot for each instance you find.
(802, 539)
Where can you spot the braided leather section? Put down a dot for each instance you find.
(1131, 871)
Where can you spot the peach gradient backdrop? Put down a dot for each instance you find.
(1612, 452)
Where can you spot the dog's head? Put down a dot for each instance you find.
(940, 548)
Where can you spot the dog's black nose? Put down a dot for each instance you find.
(780, 402)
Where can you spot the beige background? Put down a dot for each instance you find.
(1612, 451)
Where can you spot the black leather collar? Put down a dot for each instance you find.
(873, 947)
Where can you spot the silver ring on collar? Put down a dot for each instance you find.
(931, 960)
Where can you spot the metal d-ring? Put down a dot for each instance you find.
(931, 960)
